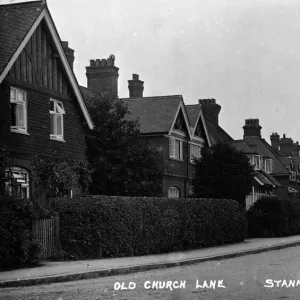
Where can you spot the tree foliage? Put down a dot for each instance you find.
(55, 175)
(223, 172)
(124, 162)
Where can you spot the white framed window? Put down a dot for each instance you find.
(18, 110)
(256, 162)
(195, 152)
(57, 112)
(176, 148)
(17, 182)
(268, 165)
(173, 192)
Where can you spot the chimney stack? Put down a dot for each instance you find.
(210, 110)
(136, 87)
(252, 128)
(102, 76)
(274, 137)
(69, 53)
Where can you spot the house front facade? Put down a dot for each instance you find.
(41, 106)
(177, 130)
(270, 174)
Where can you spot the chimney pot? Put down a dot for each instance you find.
(102, 76)
(69, 53)
(136, 87)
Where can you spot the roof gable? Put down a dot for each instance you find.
(261, 147)
(156, 114)
(32, 14)
(198, 123)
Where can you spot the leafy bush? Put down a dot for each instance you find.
(18, 246)
(269, 216)
(223, 172)
(124, 226)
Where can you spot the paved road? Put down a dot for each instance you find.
(243, 278)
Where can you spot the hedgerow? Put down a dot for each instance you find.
(124, 226)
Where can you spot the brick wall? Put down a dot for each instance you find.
(38, 140)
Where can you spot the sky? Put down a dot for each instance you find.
(243, 53)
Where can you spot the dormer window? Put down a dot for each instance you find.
(268, 165)
(255, 161)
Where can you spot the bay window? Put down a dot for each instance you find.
(17, 182)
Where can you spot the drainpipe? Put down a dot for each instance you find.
(187, 169)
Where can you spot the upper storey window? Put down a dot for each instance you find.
(18, 110)
(56, 120)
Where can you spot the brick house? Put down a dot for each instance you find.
(290, 156)
(41, 105)
(177, 129)
(271, 176)
(269, 170)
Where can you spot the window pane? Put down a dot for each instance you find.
(59, 108)
(12, 94)
(13, 118)
(52, 129)
(20, 116)
(52, 105)
(177, 149)
(59, 124)
(20, 96)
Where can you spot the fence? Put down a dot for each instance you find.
(47, 232)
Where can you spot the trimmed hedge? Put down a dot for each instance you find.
(18, 245)
(125, 226)
(268, 217)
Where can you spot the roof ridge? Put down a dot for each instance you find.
(27, 3)
(153, 97)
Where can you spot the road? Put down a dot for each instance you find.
(243, 278)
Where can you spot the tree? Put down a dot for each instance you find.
(55, 175)
(124, 162)
(223, 172)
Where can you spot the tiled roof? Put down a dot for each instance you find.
(271, 178)
(287, 161)
(261, 147)
(193, 112)
(156, 114)
(12, 34)
(89, 96)
(217, 133)
(242, 146)
(263, 179)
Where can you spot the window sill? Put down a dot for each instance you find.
(53, 138)
(19, 131)
(176, 159)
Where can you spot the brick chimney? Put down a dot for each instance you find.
(69, 53)
(136, 87)
(252, 128)
(210, 110)
(286, 146)
(274, 137)
(102, 76)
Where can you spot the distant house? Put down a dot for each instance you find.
(290, 157)
(178, 130)
(41, 105)
(271, 176)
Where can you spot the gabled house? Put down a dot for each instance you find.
(289, 153)
(271, 176)
(41, 105)
(178, 130)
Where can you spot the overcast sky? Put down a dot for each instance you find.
(243, 53)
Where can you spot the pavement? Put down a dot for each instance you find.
(51, 272)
